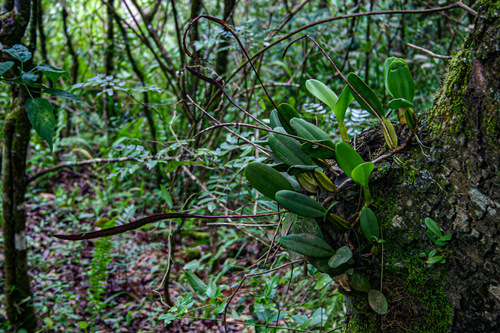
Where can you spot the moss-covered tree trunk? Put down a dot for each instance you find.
(456, 183)
(16, 136)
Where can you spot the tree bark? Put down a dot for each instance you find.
(16, 136)
(456, 183)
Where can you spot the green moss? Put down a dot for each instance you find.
(424, 286)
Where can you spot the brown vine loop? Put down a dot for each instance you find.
(228, 28)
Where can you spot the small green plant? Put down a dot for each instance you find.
(436, 255)
(39, 109)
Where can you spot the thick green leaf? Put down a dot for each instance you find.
(343, 255)
(42, 118)
(266, 180)
(321, 265)
(300, 204)
(347, 157)
(445, 238)
(305, 225)
(274, 120)
(343, 103)
(64, 94)
(432, 225)
(323, 181)
(364, 90)
(316, 151)
(400, 82)
(5, 66)
(392, 133)
(287, 112)
(194, 281)
(378, 302)
(362, 172)
(20, 52)
(322, 92)
(411, 119)
(53, 73)
(369, 225)
(434, 260)
(306, 182)
(387, 65)
(306, 130)
(308, 245)
(288, 150)
(399, 103)
(360, 283)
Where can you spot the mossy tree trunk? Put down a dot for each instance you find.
(456, 183)
(16, 136)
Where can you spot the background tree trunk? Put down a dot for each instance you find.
(16, 134)
(456, 183)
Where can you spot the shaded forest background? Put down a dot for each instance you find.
(130, 154)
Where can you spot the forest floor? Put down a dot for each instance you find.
(130, 296)
(132, 293)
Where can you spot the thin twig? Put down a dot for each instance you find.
(94, 161)
(264, 129)
(243, 280)
(264, 150)
(243, 224)
(432, 54)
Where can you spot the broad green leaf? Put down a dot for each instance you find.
(308, 245)
(399, 103)
(53, 73)
(316, 151)
(343, 103)
(42, 118)
(29, 78)
(20, 52)
(322, 92)
(287, 112)
(378, 302)
(362, 172)
(340, 257)
(370, 97)
(400, 82)
(64, 94)
(5, 66)
(266, 180)
(299, 204)
(196, 283)
(306, 130)
(369, 225)
(347, 157)
(360, 283)
(288, 150)
(432, 225)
